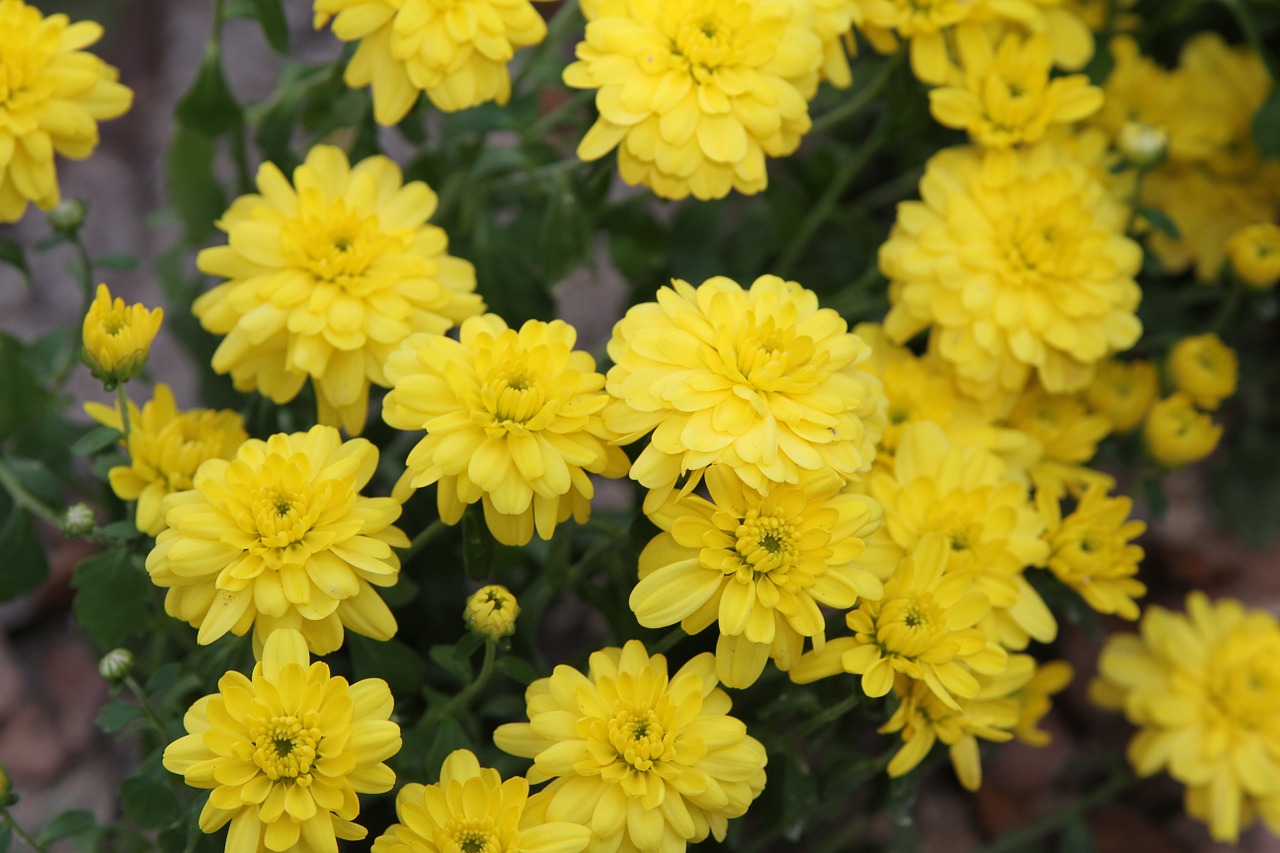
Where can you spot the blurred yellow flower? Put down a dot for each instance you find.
(491, 612)
(327, 277)
(513, 421)
(1123, 391)
(165, 448)
(695, 94)
(1034, 702)
(117, 337)
(280, 537)
(1254, 251)
(456, 52)
(1203, 687)
(761, 380)
(1203, 368)
(52, 96)
(1176, 433)
(1017, 263)
(759, 564)
(1091, 551)
(286, 752)
(649, 762)
(472, 808)
(833, 24)
(1068, 434)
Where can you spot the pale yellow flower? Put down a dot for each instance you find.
(1203, 368)
(117, 337)
(1091, 551)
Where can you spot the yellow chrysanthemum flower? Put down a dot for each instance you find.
(695, 94)
(1034, 702)
(327, 277)
(456, 52)
(1091, 551)
(1203, 688)
(474, 810)
(52, 96)
(969, 496)
(1254, 252)
(761, 380)
(1176, 433)
(117, 337)
(833, 24)
(1018, 263)
(165, 448)
(1005, 96)
(1123, 391)
(513, 421)
(923, 720)
(280, 537)
(286, 752)
(491, 612)
(760, 564)
(1203, 368)
(649, 762)
(1068, 434)
(922, 627)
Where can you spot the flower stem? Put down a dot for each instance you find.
(141, 696)
(672, 637)
(423, 539)
(566, 15)
(463, 698)
(830, 715)
(555, 116)
(1027, 837)
(864, 97)
(25, 499)
(7, 819)
(123, 402)
(903, 834)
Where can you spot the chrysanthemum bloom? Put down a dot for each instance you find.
(456, 52)
(1123, 391)
(1017, 266)
(922, 627)
(761, 380)
(833, 24)
(491, 612)
(760, 564)
(1203, 688)
(328, 276)
(1091, 551)
(1254, 252)
(52, 96)
(1176, 433)
(287, 751)
(513, 421)
(1068, 434)
(474, 810)
(1034, 702)
(969, 496)
(1203, 368)
(923, 719)
(1005, 96)
(650, 763)
(165, 448)
(117, 337)
(695, 94)
(280, 537)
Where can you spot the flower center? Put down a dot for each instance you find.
(281, 516)
(910, 625)
(336, 244)
(638, 737)
(767, 542)
(114, 323)
(515, 397)
(284, 746)
(472, 835)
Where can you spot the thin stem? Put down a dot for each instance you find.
(559, 24)
(856, 104)
(1228, 307)
(664, 645)
(830, 715)
(84, 272)
(555, 116)
(19, 831)
(1027, 838)
(141, 696)
(463, 698)
(123, 402)
(423, 539)
(24, 498)
(826, 203)
(903, 834)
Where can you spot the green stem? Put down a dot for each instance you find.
(830, 715)
(84, 272)
(903, 834)
(555, 116)
(564, 18)
(1027, 838)
(122, 402)
(862, 99)
(826, 203)
(1229, 306)
(423, 539)
(664, 645)
(141, 696)
(19, 831)
(25, 499)
(463, 698)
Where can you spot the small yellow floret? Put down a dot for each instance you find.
(1091, 551)
(117, 337)
(1123, 391)
(1203, 368)
(1176, 433)
(491, 612)
(1255, 254)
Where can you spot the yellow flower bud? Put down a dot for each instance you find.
(491, 612)
(117, 338)
(1255, 254)
(1204, 368)
(1123, 391)
(1176, 433)
(1142, 145)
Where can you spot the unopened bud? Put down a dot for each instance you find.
(116, 665)
(6, 788)
(1142, 145)
(68, 215)
(78, 521)
(491, 612)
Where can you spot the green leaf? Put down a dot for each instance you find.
(112, 597)
(149, 801)
(393, 661)
(6, 838)
(24, 561)
(209, 107)
(123, 263)
(37, 479)
(1077, 838)
(518, 669)
(23, 396)
(565, 240)
(98, 438)
(270, 15)
(477, 545)
(115, 716)
(1266, 125)
(68, 825)
(194, 190)
(449, 735)
(1159, 220)
(11, 253)
(445, 658)
(123, 531)
(45, 356)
